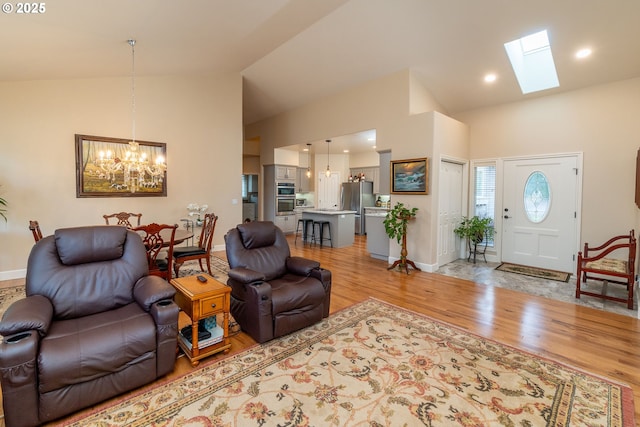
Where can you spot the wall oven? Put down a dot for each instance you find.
(285, 189)
(285, 205)
(285, 198)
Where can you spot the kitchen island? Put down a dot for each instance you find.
(342, 224)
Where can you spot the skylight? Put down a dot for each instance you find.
(532, 62)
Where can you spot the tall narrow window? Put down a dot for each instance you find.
(485, 193)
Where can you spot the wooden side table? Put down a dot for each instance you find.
(198, 301)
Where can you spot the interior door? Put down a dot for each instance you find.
(328, 191)
(539, 223)
(450, 211)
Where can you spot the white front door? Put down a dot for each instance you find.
(450, 211)
(539, 225)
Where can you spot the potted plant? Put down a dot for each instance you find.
(475, 230)
(395, 225)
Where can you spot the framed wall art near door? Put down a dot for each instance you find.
(410, 176)
(113, 167)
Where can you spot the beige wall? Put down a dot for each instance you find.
(382, 105)
(199, 118)
(602, 122)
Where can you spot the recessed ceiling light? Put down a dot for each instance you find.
(345, 151)
(305, 149)
(490, 78)
(583, 53)
(374, 147)
(371, 139)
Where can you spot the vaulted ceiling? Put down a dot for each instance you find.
(291, 52)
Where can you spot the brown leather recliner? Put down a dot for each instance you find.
(94, 324)
(273, 293)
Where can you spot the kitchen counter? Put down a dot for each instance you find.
(342, 224)
(329, 212)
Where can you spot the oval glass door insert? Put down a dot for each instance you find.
(537, 197)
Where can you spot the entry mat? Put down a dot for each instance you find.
(541, 273)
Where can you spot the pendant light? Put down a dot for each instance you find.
(308, 160)
(327, 173)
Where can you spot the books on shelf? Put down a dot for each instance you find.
(216, 335)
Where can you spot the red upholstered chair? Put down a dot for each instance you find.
(599, 263)
(93, 325)
(181, 254)
(159, 240)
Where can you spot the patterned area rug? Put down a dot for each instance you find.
(541, 273)
(376, 364)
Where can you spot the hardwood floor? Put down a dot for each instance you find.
(599, 342)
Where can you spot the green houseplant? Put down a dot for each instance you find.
(474, 230)
(395, 225)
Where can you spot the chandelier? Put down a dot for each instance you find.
(135, 167)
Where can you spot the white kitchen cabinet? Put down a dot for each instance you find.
(286, 172)
(370, 174)
(287, 223)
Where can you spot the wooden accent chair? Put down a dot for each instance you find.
(35, 229)
(200, 252)
(123, 218)
(594, 263)
(159, 240)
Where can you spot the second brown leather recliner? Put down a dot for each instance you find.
(273, 293)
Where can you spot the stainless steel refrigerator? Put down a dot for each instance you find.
(355, 196)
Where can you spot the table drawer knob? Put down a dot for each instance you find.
(213, 306)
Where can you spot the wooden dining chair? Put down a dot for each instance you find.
(123, 218)
(35, 229)
(200, 252)
(159, 240)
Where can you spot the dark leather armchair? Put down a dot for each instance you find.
(273, 293)
(94, 324)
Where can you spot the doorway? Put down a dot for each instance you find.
(540, 211)
(250, 193)
(450, 204)
(328, 191)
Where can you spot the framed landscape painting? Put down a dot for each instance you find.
(410, 176)
(113, 167)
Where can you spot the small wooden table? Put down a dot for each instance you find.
(199, 301)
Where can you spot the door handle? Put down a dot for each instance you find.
(507, 217)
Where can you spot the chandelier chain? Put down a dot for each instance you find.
(133, 89)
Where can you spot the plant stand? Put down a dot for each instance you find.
(404, 262)
(474, 251)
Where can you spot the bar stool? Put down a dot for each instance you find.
(321, 226)
(305, 226)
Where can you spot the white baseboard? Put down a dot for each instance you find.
(13, 274)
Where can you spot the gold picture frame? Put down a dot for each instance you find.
(410, 176)
(114, 167)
